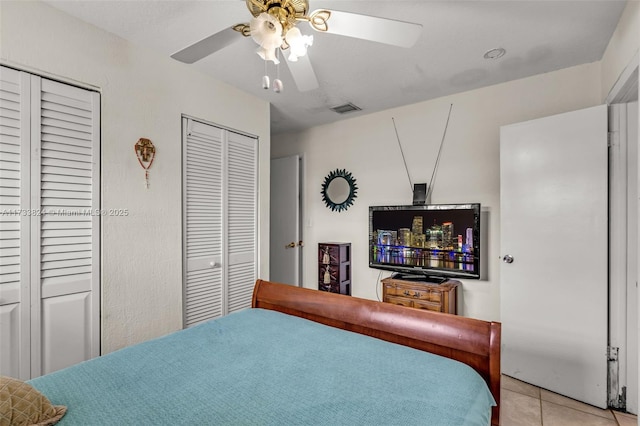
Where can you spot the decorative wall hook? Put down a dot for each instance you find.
(145, 152)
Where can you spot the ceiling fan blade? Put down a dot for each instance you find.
(207, 46)
(381, 30)
(302, 73)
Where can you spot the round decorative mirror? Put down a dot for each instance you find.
(339, 190)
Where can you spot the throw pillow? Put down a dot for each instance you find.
(22, 404)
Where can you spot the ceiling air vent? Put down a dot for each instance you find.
(343, 109)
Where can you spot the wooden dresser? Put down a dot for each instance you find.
(422, 294)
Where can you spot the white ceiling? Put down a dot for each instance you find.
(539, 36)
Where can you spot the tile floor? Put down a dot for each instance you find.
(523, 404)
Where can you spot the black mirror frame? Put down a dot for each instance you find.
(353, 190)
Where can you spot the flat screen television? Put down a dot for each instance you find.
(433, 241)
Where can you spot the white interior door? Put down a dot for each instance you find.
(553, 206)
(285, 245)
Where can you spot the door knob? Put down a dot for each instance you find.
(300, 243)
(507, 258)
(214, 264)
(290, 245)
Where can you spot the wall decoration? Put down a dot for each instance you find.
(339, 189)
(145, 152)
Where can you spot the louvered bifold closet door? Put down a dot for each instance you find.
(242, 219)
(202, 221)
(66, 262)
(14, 223)
(49, 238)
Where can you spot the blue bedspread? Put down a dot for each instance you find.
(260, 367)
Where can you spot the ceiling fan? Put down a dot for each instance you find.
(273, 28)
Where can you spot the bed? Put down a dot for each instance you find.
(298, 356)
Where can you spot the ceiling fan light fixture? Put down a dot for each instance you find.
(298, 43)
(266, 31)
(268, 54)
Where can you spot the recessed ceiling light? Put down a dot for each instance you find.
(496, 53)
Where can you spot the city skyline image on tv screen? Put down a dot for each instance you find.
(434, 238)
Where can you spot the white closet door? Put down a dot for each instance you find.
(202, 192)
(14, 226)
(242, 220)
(49, 229)
(65, 263)
(220, 220)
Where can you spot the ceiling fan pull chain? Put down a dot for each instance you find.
(277, 83)
(265, 82)
(265, 79)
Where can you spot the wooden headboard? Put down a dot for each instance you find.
(474, 342)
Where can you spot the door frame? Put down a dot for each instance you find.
(623, 272)
(301, 217)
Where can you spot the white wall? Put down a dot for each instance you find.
(143, 95)
(469, 169)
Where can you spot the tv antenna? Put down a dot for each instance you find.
(435, 167)
(413, 187)
(402, 152)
